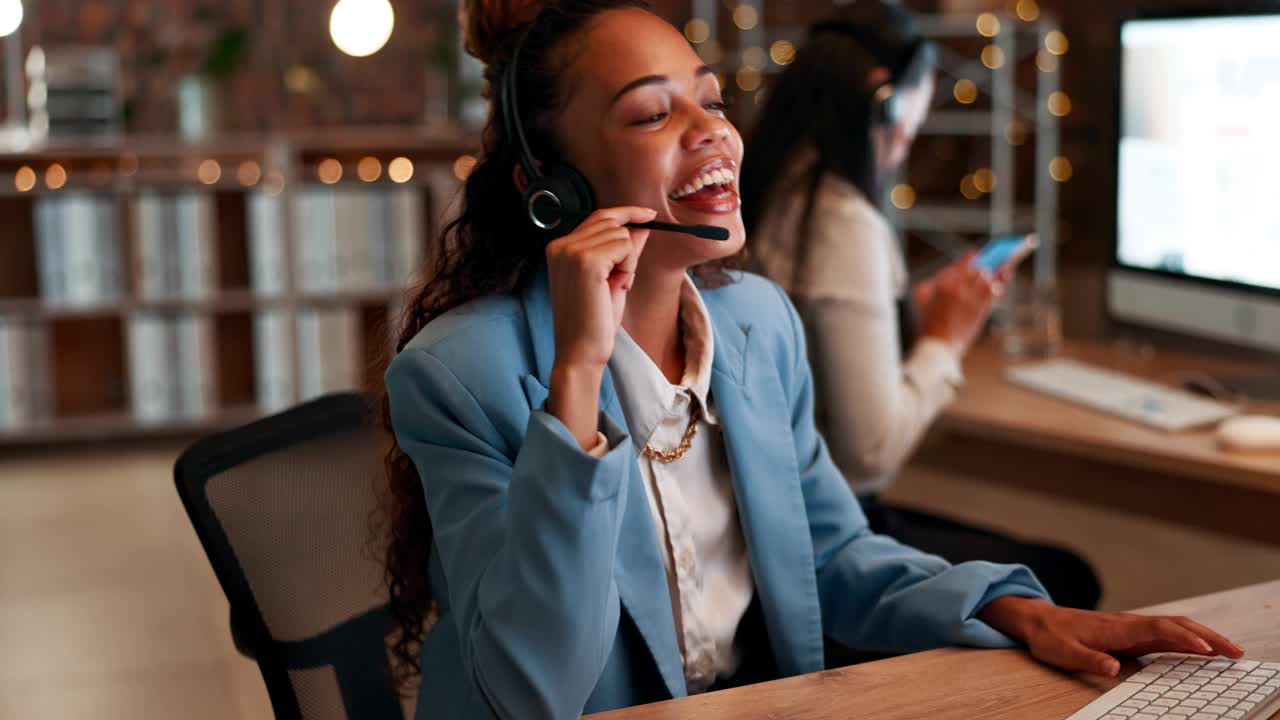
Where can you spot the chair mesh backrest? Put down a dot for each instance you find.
(283, 507)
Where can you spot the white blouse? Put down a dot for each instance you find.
(691, 499)
(873, 405)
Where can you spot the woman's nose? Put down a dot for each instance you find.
(706, 129)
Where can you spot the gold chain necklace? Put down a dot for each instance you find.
(669, 456)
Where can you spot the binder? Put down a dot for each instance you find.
(196, 375)
(266, 243)
(196, 241)
(151, 368)
(273, 360)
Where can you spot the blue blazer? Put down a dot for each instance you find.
(553, 595)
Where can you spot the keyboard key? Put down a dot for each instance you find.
(1187, 687)
(1125, 712)
(1182, 674)
(1245, 706)
(1165, 702)
(1234, 714)
(1247, 687)
(1247, 665)
(1144, 677)
(1145, 716)
(1218, 665)
(1205, 716)
(1177, 695)
(1194, 662)
(1170, 682)
(1256, 698)
(1206, 674)
(1216, 708)
(1237, 694)
(1202, 695)
(1135, 704)
(1215, 688)
(1113, 716)
(1148, 696)
(1234, 674)
(1193, 702)
(1264, 670)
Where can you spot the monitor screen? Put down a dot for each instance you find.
(1199, 172)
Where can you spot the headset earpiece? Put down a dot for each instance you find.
(888, 105)
(558, 200)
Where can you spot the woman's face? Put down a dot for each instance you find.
(644, 121)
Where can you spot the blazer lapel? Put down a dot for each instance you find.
(640, 574)
(756, 421)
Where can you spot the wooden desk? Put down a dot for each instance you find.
(1003, 433)
(962, 684)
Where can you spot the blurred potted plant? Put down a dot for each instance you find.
(200, 94)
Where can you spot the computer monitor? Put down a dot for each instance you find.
(1198, 208)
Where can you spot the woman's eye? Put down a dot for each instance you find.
(650, 119)
(718, 106)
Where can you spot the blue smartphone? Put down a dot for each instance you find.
(995, 254)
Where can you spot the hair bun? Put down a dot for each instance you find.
(488, 23)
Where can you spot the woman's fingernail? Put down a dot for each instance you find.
(1111, 668)
(1205, 647)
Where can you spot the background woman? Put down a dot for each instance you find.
(886, 355)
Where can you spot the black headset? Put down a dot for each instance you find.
(556, 197)
(887, 105)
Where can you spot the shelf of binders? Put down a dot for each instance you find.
(155, 287)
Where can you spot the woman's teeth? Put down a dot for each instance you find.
(721, 176)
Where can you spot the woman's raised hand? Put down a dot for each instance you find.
(591, 269)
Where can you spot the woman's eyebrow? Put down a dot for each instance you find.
(655, 80)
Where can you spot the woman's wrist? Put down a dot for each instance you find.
(1015, 616)
(574, 398)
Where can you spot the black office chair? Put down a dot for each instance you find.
(282, 507)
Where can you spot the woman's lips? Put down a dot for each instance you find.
(717, 200)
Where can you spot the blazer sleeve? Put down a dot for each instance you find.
(876, 593)
(527, 543)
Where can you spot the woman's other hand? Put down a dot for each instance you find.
(591, 269)
(1084, 641)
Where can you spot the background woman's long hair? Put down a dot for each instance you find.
(822, 104)
(486, 250)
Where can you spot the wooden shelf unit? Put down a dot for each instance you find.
(88, 348)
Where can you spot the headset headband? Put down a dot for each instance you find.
(872, 45)
(510, 113)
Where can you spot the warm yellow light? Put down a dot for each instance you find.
(746, 17)
(1047, 61)
(361, 27)
(209, 172)
(129, 164)
(1016, 133)
(25, 179)
(369, 169)
(988, 25)
(55, 177)
(463, 166)
(1056, 43)
(697, 30)
(966, 92)
(711, 52)
(984, 180)
(748, 79)
(1060, 169)
(1028, 10)
(993, 57)
(10, 16)
(329, 171)
(1060, 103)
(903, 197)
(273, 183)
(400, 170)
(782, 52)
(249, 173)
(969, 189)
(755, 57)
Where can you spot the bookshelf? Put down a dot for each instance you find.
(151, 286)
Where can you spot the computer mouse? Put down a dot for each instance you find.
(1250, 434)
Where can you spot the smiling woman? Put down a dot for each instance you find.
(607, 484)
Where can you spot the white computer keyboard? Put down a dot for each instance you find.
(1182, 687)
(1119, 394)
